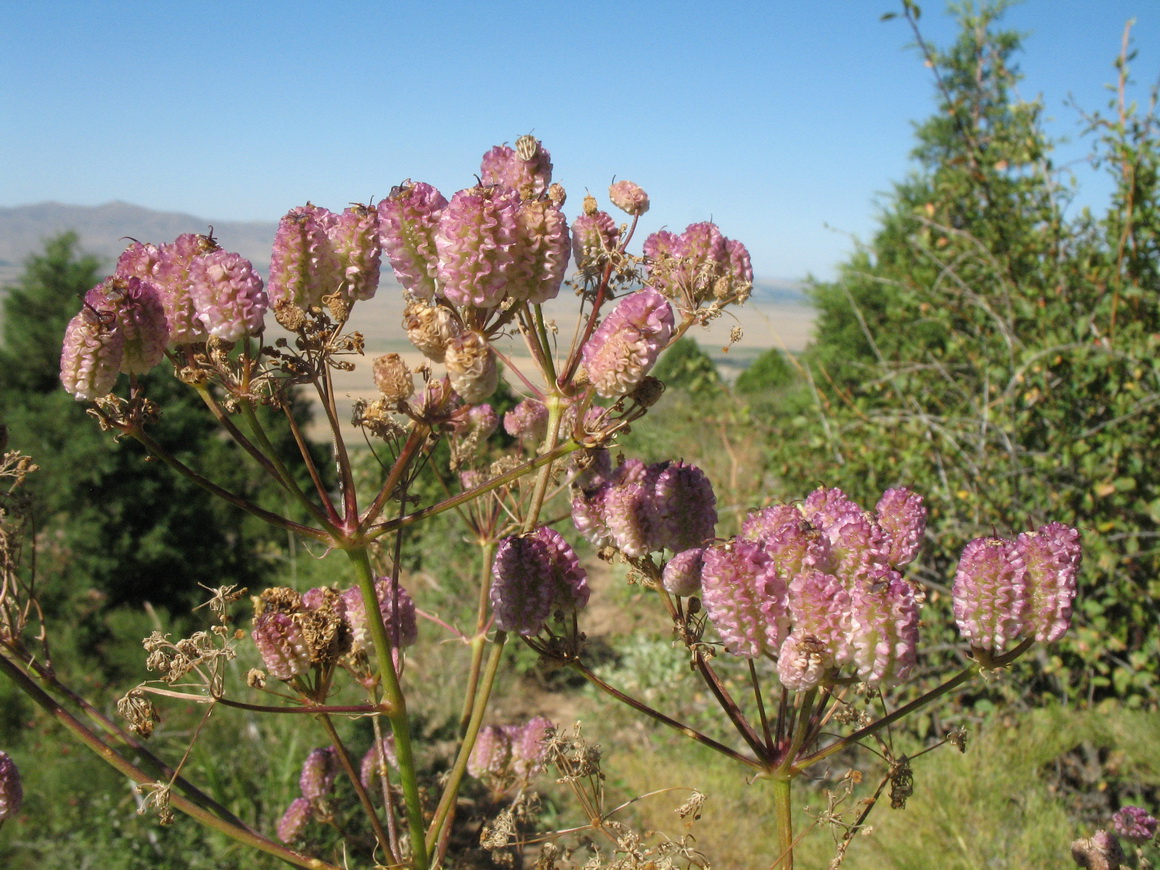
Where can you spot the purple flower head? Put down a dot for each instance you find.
(856, 541)
(471, 367)
(527, 422)
(477, 422)
(1052, 557)
(11, 790)
(626, 345)
(766, 523)
(902, 515)
(302, 258)
(884, 628)
(685, 507)
(682, 574)
(91, 356)
(1134, 824)
(593, 236)
(294, 820)
(542, 252)
(398, 610)
(354, 238)
(629, 197)
(798, 547)
(139, 260)
(527, 167)
(802, 662)
(408, 220)
(282, 644)
(491, 754)
(227, 295)
(475, 240)
(140, 317)
(522, 589)
(745, 598)
(990, 593)
(319, 772)
(430, 328)
(569, 581)
(371, 765)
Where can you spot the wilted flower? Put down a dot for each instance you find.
(408, 219)
(430, 328)
(626, 345)
(393, 377)
(471, 367)
(11, 790)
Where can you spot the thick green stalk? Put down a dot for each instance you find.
(783, 818)
(396, 704)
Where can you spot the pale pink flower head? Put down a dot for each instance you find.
(990, 594)
(172, 275)
(302, 258)
(282, 644)
(629, 197)
(626, 345)
(682, 573)
(476, 422)
(802, 662)
(491, 754)
(542, 252)
(765, 523)
(227, 295)
(1051, 556)
(902, 515)
(476, 240)
(408, 220)
(354, 238)
(884, 628)
(526, 168)
(745, 597)
(529, 746)
(93, 350)
(11, 790)
(821, 608)
(141, 319)
(372, 761)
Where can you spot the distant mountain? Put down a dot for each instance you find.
(105, 230)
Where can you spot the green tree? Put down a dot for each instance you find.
(1002, 356)
(684, 366)
(768, 373)
(110, 520)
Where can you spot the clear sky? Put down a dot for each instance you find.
(783, 120)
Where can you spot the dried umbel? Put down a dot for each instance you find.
(472, 367)
(698, 265)
(1006, 590)
(626, 345)
(11, 790)
(629, 197)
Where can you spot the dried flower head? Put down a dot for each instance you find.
(430, 328)
(1100, 851)
(393, 377)
(472, 367)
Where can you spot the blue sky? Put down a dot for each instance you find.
(782, 120)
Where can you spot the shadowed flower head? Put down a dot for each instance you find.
(293, 821)
(532, 575)
(319, 772)
(491, 754)
(282, 644)
(397, 608)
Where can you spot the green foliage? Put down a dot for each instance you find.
(114, 524)
(999, 356)
(768, 373)
(684, 366)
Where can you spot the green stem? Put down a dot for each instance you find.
(455, 778)
(783, 819)
(397, 705)
(110, 756)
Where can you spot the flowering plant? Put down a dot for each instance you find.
(812, 595)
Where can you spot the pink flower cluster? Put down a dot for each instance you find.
(318, 253)
(506, 753)
(1007, 590)
(818, 585)
(533, 576)
(159, 297)
(641, 509)
(697, 265)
